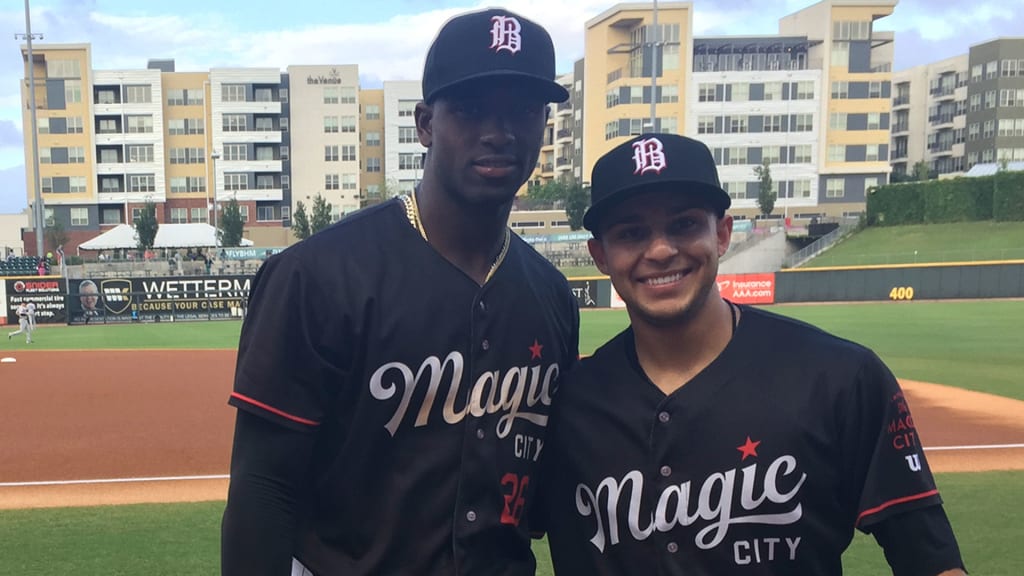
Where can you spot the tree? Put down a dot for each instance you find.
(146, 226)
(321, 214)
(54, 234)
(300, 222)
(231, 225)
(922, 171)
(765, 189)
(576, 203)
(548, 195)
(385, 191)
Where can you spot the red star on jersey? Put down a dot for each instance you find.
(748, 449)
(535, 349)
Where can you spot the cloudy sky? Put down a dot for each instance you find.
(388, 38)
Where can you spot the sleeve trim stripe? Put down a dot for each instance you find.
(894, 502)
(269, 408)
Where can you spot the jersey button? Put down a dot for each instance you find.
(672, 547)
(486, 345)
(666, 471)
(471, 516)
(664, 417)
(483, 307)
(480, 433)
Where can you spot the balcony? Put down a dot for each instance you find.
(565, 106)
(563, 161)
(944, 118)
(897, 155)
(547, 167)
(901, 127)
(943, 148)
(901, 101)
(564, 133)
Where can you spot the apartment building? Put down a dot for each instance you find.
(403, 153)
(325, 150)
(995, 92)
(371, 145)
(557, 154)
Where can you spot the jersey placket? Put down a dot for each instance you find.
(667, 544)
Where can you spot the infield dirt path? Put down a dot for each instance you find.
(116, 415)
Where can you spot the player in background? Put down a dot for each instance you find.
(395, 371)
(710, 438)
(24, 326)
(30, 309)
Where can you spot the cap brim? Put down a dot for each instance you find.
(717, 198)
(548, 90)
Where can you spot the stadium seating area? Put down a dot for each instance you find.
(20, 266)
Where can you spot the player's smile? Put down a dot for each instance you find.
(496, 166)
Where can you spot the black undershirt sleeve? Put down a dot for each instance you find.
(919, 542)
(268, 464)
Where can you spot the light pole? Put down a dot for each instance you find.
(654, 67)
(213, 206)
(37, 208)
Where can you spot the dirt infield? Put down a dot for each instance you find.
(117, 427)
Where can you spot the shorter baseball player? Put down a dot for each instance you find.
(24, 323)
(710, 438)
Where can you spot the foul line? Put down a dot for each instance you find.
(227, 476)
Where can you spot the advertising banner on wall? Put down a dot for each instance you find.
(47, 292)
(747, 288)
(171, 298)
(585, 292)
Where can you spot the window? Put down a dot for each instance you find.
(738, 125)
(264, 124)
(372, 112)
(175, 97)
(140, 124)
(736, 190)
(79, 216)
(373, 138)
(669, 56)
(871, 155)
(851, 30)
(265, 182)
(975, 102)
(773, 90)
(109, 184)
(348, 95)
(235, 123)
(348, 123)
(330, 153)
(47, 188)
(669, 94)
(285, 152)
(737, 156)
(75, 125)
(108, 126)
(869, 183)
(264, 213)
(801, 189)
(282, 94)
(706, 92)
(410, 161)
(771, 154)
(976, 73)
(740, 92)
(63, 69)
(232, 92)
(44, 155)
(669, 125)
(109, 156)
(332, 182)
(406, 108)
(636, 94)
(804, 123)
(840, 54)
(840, 90)
(991, 70)
(837, 153)
(407, 135)
(372, 190)
(265, 154)
(348, 153)
(330, 124)
(974, 131)
(775, 123)
(111, 216)
(802, 154)
(1011, 98)
(611, 130)
(804, 90)
(236, 152)
(331, 95)
(835, 188)
(106, 96)
(76, 184)
(199, 214)
(76, 155)
(142, 153)
(989, 129)
(139, 94)
(874, 89)
(244, 209)
(837, 121)
(874, 121)
(179, 215)
(195, 97)
(236, 181)
(186, 155)
(43, 125)
(348, 181)
(263, 95)
(1009, 68)
(73, 91)
(283, 122)
(141, 183)
(179, 185)
(373, 164)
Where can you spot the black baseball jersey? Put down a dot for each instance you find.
(764, 463)
(429, 394)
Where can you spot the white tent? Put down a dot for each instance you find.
(167, 236)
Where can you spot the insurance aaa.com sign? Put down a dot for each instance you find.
(738, 288)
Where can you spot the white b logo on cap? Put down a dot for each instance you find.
(505, 34)
(648, 156)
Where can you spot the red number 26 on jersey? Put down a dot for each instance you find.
(515, 499)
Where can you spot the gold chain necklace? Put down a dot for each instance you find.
(412, 212)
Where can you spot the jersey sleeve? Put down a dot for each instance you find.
(887, 472)
(288, 365)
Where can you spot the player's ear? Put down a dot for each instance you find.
(597, 253)
(723, 228)
(424, 115)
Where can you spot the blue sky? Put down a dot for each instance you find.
(388, 38)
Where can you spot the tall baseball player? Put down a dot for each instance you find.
(395, 371)
(24, 323)
(710, 438)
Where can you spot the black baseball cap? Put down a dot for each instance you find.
(653, 160)
(487, 44)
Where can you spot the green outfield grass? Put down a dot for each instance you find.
(184, 539)
(580, 271)
(956, 242)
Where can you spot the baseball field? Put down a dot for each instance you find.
(115, 440)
